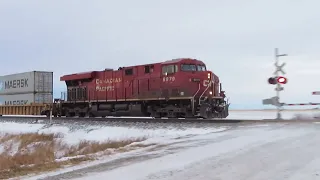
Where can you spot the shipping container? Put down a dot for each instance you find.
(26, 83)
(34, 109)
(26, 99)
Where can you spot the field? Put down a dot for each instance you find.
(30, 149)
(24, 153)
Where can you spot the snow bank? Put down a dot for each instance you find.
(102, 133)
(17, 128)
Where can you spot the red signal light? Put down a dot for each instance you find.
(282, 80)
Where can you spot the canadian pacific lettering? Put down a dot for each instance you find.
(101, 87)
(104, 88)
(108, 81)
(16, 102)
(15, 84)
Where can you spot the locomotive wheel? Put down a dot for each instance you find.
(206, 111)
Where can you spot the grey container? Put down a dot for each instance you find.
(26, 99)
(27, 82)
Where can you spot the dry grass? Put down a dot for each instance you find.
(32, 153)
(90, 147)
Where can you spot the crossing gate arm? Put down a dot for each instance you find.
(301, 104)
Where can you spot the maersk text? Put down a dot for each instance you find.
(17, 83)
(16, 102)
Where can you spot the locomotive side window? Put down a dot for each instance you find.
(146, 69)
(164, 70)
(169, 69)
(129, 72)
(188, 67)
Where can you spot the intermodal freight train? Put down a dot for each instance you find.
(178, 88)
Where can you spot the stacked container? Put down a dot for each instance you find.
(26, 88)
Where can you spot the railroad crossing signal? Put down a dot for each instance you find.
(279, 68)
(277, 80)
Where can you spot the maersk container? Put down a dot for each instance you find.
(26, 99)
(27, 82)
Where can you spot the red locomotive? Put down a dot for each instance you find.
(175, 88)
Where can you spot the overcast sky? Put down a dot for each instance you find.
(236, 39)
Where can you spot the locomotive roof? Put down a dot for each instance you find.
(91, 74)
(77, 76)
(179, 60)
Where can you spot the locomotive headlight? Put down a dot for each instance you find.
(210, 92)
(209, 75)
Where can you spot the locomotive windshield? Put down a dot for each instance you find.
(192, 67)
(201, 68)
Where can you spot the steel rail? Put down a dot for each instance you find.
(151, 120)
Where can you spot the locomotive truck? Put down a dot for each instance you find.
(178, 88)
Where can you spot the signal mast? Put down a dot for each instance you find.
(278, 80)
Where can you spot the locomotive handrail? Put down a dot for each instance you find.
(209, 85)
(197, 91)
(192, 104)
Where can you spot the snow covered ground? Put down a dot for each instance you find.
(102, 133)
(275, 151)
(189, 151)
(78, 132)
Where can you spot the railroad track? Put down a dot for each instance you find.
(147, 120)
